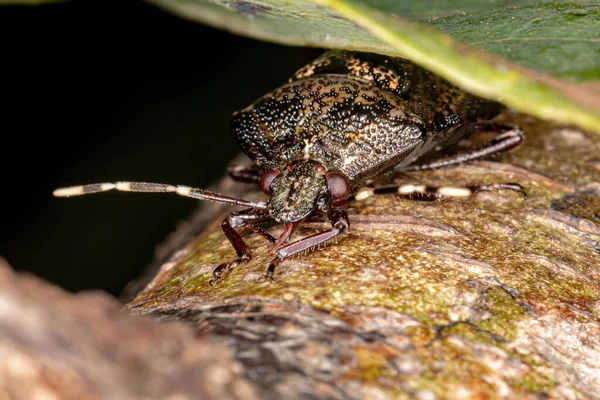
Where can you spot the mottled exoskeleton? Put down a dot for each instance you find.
(340, 122)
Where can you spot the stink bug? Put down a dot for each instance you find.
(340, 122)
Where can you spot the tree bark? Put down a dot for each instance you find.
(55, 345)
(490, 297)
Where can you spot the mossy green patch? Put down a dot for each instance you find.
(505, 311)
(536, 383)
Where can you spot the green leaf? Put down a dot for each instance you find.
(430, 9)
(558, 39)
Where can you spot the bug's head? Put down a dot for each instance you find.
(297, 190)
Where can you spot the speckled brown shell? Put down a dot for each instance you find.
(358, 114)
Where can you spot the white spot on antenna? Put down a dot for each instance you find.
(454, 192)
(123, 186)
(183, 190)
(408, 189)
(68, 191)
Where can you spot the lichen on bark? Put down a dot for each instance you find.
(490, 297)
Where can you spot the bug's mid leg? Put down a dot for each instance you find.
(432, 193)
(509, 139)
(245, 220)
(240, 173)
(340, 224)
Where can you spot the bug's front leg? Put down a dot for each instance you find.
(243, 219)
(432, 193)
(340, 224)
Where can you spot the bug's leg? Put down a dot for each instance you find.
(432, 193)
(244, 174)
(340, 224)
(243, 219)
(507, 140)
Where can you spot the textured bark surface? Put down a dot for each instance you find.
(54, 345)
(490, 297)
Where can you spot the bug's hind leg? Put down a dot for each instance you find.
(511, 138)
(243, 219)
(241, 173)
(432, 193)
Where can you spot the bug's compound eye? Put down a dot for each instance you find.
(266, 179)
(320, 168)
(338, 185)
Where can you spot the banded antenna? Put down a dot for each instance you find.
(148, 187)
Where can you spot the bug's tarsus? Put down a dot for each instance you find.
(148, 187)
(510, 138)
(270, 271)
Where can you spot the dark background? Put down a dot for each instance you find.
(99, 91)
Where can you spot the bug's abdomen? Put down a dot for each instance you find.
(439, 103)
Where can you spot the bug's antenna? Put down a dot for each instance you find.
(185, 191)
